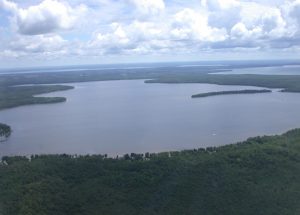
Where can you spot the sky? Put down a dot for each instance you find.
(70, 32)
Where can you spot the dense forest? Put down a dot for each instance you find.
(14, 96)
(200, 95)
(258, 176)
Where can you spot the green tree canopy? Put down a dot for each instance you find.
(5, 131)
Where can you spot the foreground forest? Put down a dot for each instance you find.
(258, 176)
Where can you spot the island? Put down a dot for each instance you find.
(200, 95)
(5, 131)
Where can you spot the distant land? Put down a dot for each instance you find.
(230, 93)
(14, 96)
(13, 92)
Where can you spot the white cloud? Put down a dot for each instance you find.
(149, 6)
(38, 44)
(180, 31)
(114, 41)
(239, 30)
(147, 30)
(9, 6)
(190, 25)
(46, 17)
(222, 13)
(115, 28)
(217, 5)
(294, 11)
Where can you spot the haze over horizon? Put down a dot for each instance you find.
(52, 32)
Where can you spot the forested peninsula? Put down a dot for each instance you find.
(13, 96)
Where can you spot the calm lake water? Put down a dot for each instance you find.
(117, 117)
(272, 70)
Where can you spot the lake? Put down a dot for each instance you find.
(271, 70)
(117, 117)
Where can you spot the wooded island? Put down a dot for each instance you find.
(230, 93)
(5, 131)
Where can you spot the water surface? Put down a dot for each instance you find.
(117, 117)
(272, 70)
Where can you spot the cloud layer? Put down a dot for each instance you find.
(97, 28)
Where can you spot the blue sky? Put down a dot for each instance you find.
(61, 32)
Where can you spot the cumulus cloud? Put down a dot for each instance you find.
(294, 10)
(222, 13)
(180, 31)
(112, 42)
(149, 6)
(190, 25)
(135, 37)
(45, 27)
(46, 17)
(35, 46)
(219, 4)
(38, 44)
(7, 5)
